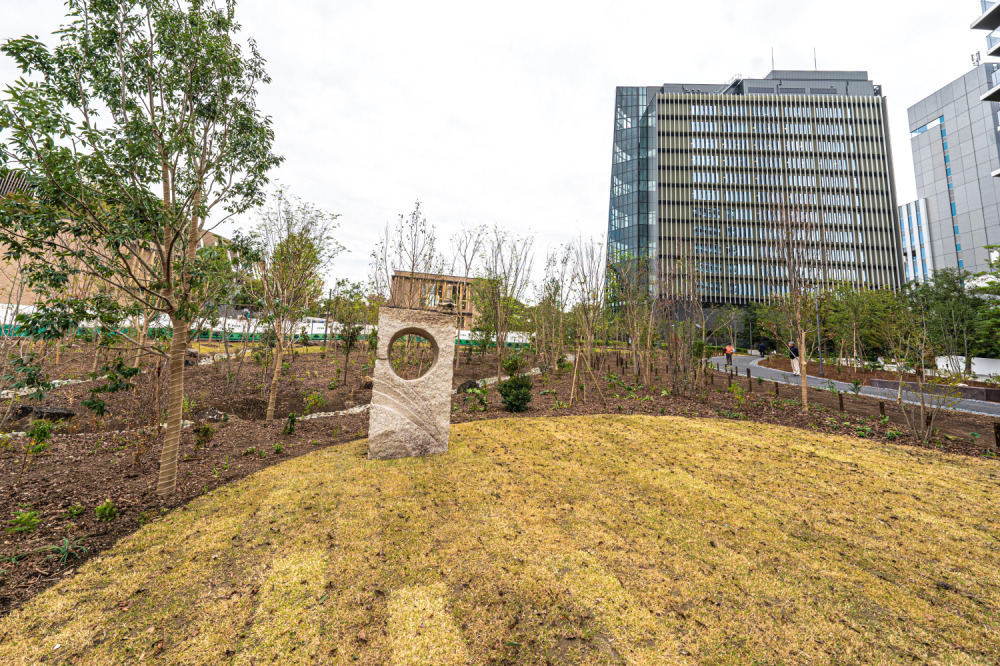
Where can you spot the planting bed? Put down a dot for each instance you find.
(88, 462)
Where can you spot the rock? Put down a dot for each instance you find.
(412, 417)
(470, 385)
(212, 415)
(53, 413)
(367, 382)
(307, 341)
(21, 411)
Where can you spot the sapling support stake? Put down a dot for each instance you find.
(996, 435)
(881, 408)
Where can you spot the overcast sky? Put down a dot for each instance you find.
(502, 113)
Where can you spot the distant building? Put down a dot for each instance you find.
(700, 172)
(956, 150)
(918, 257)
(425, 291)
(13, 291)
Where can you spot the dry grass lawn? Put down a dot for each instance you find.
(576, 540)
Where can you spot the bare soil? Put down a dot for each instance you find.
(91, 460)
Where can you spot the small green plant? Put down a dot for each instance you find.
(63, 551)
(24, 522)
(974, 436)
(863, 431)
(278, 448)
(249, 451)
(560, 405)
(106, 511)
(884, 420)
(741, 394)
(856, 386)
(893, 435)
(336, 431)
(563, 364)
(289, 428)
(728, 414)
(315, 402)
(203, 434)
(477, 399)
(146, 516)
(75, 511)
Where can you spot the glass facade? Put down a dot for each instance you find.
(632, 217)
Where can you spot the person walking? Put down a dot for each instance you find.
(793, 354)
(730, 350)
(762, 348)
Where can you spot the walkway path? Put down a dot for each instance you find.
(742, 363)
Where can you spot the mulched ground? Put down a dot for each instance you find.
(87, 464)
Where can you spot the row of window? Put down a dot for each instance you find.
(774, 145)
(772, 111)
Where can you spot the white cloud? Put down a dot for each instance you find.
(503, 113)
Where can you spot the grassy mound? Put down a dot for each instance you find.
(575, 540)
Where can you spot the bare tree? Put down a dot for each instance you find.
(410, 245)
(296, 248)
(681, 317)
(796, 253)
(553, 296)
(506, 272)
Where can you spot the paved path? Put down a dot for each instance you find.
(742, 362)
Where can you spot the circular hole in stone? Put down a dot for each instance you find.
(412, 354)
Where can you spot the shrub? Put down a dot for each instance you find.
(563, 364)
(75, 510)
(278, 448)
(24, 522)
(315, 402)
(107, 511)
(516, 393)
(289, 428)
(203, 434)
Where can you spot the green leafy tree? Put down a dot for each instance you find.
(295, 247)
(135, 129)
(953, 311)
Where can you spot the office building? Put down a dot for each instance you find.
(918, 257)
(956, 148)
(704, 174)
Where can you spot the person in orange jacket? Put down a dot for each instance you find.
(730, 350)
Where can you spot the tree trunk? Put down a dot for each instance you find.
(167, 482)
(802, 368)
(272, 395)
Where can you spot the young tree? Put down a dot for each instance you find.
(631, 300)
(589, 284)
(953, 311)
(506, 269)
(798, 260)
(131, 133)
(296, 248)
(411, 246)
(553, 296)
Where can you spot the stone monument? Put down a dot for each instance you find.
(411, 417)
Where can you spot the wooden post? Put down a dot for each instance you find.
(749, 382)
(996, 435)
(730, 380)
(776, 392)
(711, 378)
(841, 396)
(881, 408)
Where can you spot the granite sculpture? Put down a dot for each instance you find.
(412, 417)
